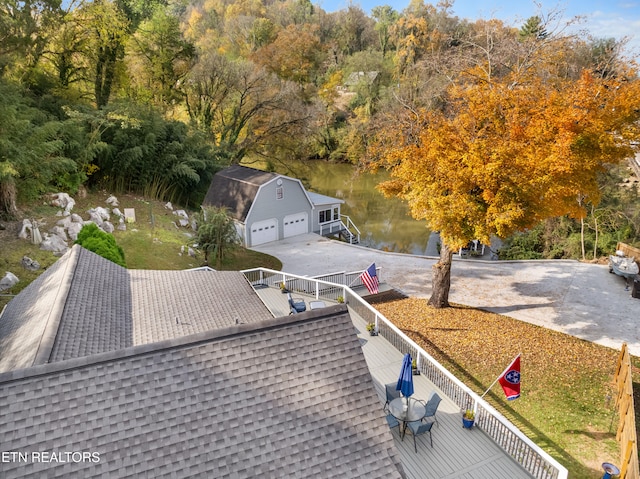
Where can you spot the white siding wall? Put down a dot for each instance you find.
(316, 214)
(267, 205)
(240, 230)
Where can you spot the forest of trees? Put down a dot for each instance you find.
(156, 96)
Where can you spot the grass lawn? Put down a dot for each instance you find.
(152, 242)
(155, 242)
(566, 405)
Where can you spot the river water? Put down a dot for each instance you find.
(384, 223)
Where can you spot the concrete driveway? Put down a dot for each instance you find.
(583, 300)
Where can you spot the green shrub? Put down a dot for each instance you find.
(526, 245)
(94, 239)
(216, 234)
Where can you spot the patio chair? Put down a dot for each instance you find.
(392, 421)
(391, 392)
(432, 407)
(296, 305)
(419, 428)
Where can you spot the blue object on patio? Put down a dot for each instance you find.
(296, 305)
(418, 428)
(432, 407)
(392, 421)
(405, 381)
(391, 392)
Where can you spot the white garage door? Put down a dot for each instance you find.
(264, 231)
(296, 224)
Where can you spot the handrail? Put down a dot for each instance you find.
(352, 225)
(351, 278)
(513, 441)
(338, 226)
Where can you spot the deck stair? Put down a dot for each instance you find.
(347, 236)
(343, 229)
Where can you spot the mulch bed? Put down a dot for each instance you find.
(385, 296)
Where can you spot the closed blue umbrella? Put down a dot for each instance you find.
(405, 381)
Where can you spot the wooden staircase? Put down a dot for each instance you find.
(348, 237)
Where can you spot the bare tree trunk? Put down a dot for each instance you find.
(582, 238)
(441, 279)
(8, 208)
(595, 243)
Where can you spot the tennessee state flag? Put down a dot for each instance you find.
(510, 380)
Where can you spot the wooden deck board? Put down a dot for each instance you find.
(276, 301)
(457, 452)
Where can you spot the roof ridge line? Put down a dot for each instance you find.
(247, 182)
(50, 332)
(191, 340)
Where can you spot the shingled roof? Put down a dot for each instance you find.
(235, 189)
(84, 305)
(285, 397)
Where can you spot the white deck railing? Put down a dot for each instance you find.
(340, 225)
(330, 228)
(351, 279)
(351, 226)
(524, 451)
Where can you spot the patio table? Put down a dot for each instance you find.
(316, 304)
(407, 410)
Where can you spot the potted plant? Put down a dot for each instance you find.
(340, 299)
(283, 288)
(468, 417)
(371, 327)
(414, 368)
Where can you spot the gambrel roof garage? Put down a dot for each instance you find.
(268, 206)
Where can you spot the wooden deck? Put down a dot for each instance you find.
(456, 452)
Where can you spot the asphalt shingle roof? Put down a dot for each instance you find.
(97, 314)
(84, 304)
(169, 304)
(235, 188)
(34, 312)
(285, 397)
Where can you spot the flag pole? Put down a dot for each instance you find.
(505, 370)
(358, 277)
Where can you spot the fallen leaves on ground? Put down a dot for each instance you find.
(484, 343)
(566, 383)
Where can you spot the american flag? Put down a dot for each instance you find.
(370, 279)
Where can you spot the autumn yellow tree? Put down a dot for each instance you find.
(293, 55)
(504, 152)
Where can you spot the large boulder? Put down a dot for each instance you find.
(99, 214)
(73, 229)
(30, 264)
(30, 230)
(59, 231)
(63, 200)
(25, 231)
(107, 227)
(8, 281)
(54, 244)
